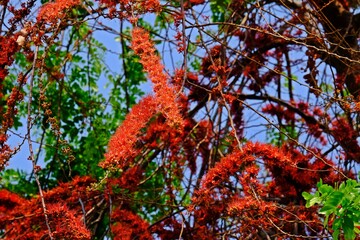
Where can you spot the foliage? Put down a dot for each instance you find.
(249, 104)
(340, 205)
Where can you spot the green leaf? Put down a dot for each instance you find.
(327, 210)
(348, 227)
(326, 220)
(337, 223)
(325, 189)
(311, 200)
(336, 233)
(307, 196)
(334, 199)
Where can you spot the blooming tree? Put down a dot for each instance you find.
(252, 103)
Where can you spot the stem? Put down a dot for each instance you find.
(31, 157)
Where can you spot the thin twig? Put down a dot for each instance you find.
(31, 157)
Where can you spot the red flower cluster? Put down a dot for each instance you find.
(165, 94)
(233, 189)
(53, 11)
(67, 226)
(8, 48)
(128, 225)
(146, 6)
(24, 219)
(8, 202)
(122, 143)
(347, 137)
(279, 111)
(215, 65)
(5, 151)
(128, 180)
(130, 9)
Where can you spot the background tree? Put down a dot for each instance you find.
(258, 102)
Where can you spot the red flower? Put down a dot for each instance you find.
(121, 146)
(128, 225)
(52, 11)
(164, 93)
(67, 224)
